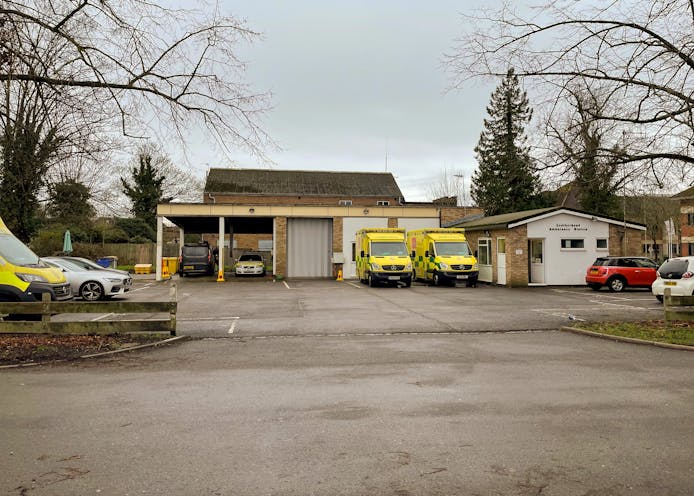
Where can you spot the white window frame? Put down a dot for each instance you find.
(383, 203)
(607, 244)
(582, 248)
(487, 243)
(345, 203)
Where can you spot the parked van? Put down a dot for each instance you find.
(381, 256)
(441, 255)
(196, 258)
(23, 276)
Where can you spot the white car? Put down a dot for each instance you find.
(89, 284)
(676, 274)
(250, 265)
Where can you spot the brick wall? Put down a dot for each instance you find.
(337, 242)
(516, 264)
(634, 241)
(449, 214)
(281, 246)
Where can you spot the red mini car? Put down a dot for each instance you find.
(619, 272)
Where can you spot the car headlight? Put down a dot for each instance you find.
(444, 266)
(408, 267)
(476, 266)
(114, 280)
(30, 277)
(375, 266)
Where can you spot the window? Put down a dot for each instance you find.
(601, 244)
(690, 219)
(354, 251)
(572, 244)
(264, 245)
(690, 249)
(345, 203)
(383, 203)
(484, 251)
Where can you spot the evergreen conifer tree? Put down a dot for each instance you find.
(505, 180)
(146, 191)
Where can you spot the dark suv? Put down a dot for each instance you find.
(619, 272)
(196, 258)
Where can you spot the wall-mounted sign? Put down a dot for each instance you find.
(568, 227)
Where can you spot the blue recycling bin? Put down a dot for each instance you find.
(108, 262)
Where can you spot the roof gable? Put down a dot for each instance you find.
(301, 183)
(515, 219)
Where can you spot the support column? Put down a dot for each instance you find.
(279, 240)
(220, 245)
(160, 242)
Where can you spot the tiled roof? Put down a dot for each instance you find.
(505, 219)
(687, 193)
(296, 182)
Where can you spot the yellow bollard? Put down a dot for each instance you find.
(165, 270)
(220, 275)
(339, 275)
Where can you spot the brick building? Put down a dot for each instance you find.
(686, 201)
(304, 220)
(547, 246)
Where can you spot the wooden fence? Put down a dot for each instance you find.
(677, 307)
(128, 253)
(47, 308)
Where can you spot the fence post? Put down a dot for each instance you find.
(45, 310)
(173, 304)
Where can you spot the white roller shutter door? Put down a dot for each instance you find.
(309, 247)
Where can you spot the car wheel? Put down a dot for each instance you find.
(616, 284)
(436, 279)
(371, 280)
(91, 291)
(594, 286)
(660, 298)
(408, 283)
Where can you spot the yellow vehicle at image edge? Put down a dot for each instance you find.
(442, 255)
(24, 276)
(381, 256)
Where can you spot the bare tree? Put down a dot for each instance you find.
(449, 183)
(152, 67)
(641, 54)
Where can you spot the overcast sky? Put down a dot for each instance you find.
(352, 80)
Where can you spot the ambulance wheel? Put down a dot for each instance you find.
(436, 279)
(372, 281)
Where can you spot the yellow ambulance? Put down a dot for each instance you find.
(442, 255)
(23, 276)
(381, 256)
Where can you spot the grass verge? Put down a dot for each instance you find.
(652, 330)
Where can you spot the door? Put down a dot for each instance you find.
(309, 247)
(536, 259)
(501, 260)
(484, 258)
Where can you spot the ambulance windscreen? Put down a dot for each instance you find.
(388, 249)
(452, 249)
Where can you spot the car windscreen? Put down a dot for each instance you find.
(250, 258)
(16, 252)
(452, 248)
(195, 251)
(673, 269)
(67, 265)
(388, 249)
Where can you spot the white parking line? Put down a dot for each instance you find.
(287, 285)
(354, 285)
(102, 316)
(196, 319)
(233, 326)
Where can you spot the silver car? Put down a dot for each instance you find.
(91, 284)
(91, 265)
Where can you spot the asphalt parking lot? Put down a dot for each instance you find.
(333, 388)
(260, 307)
